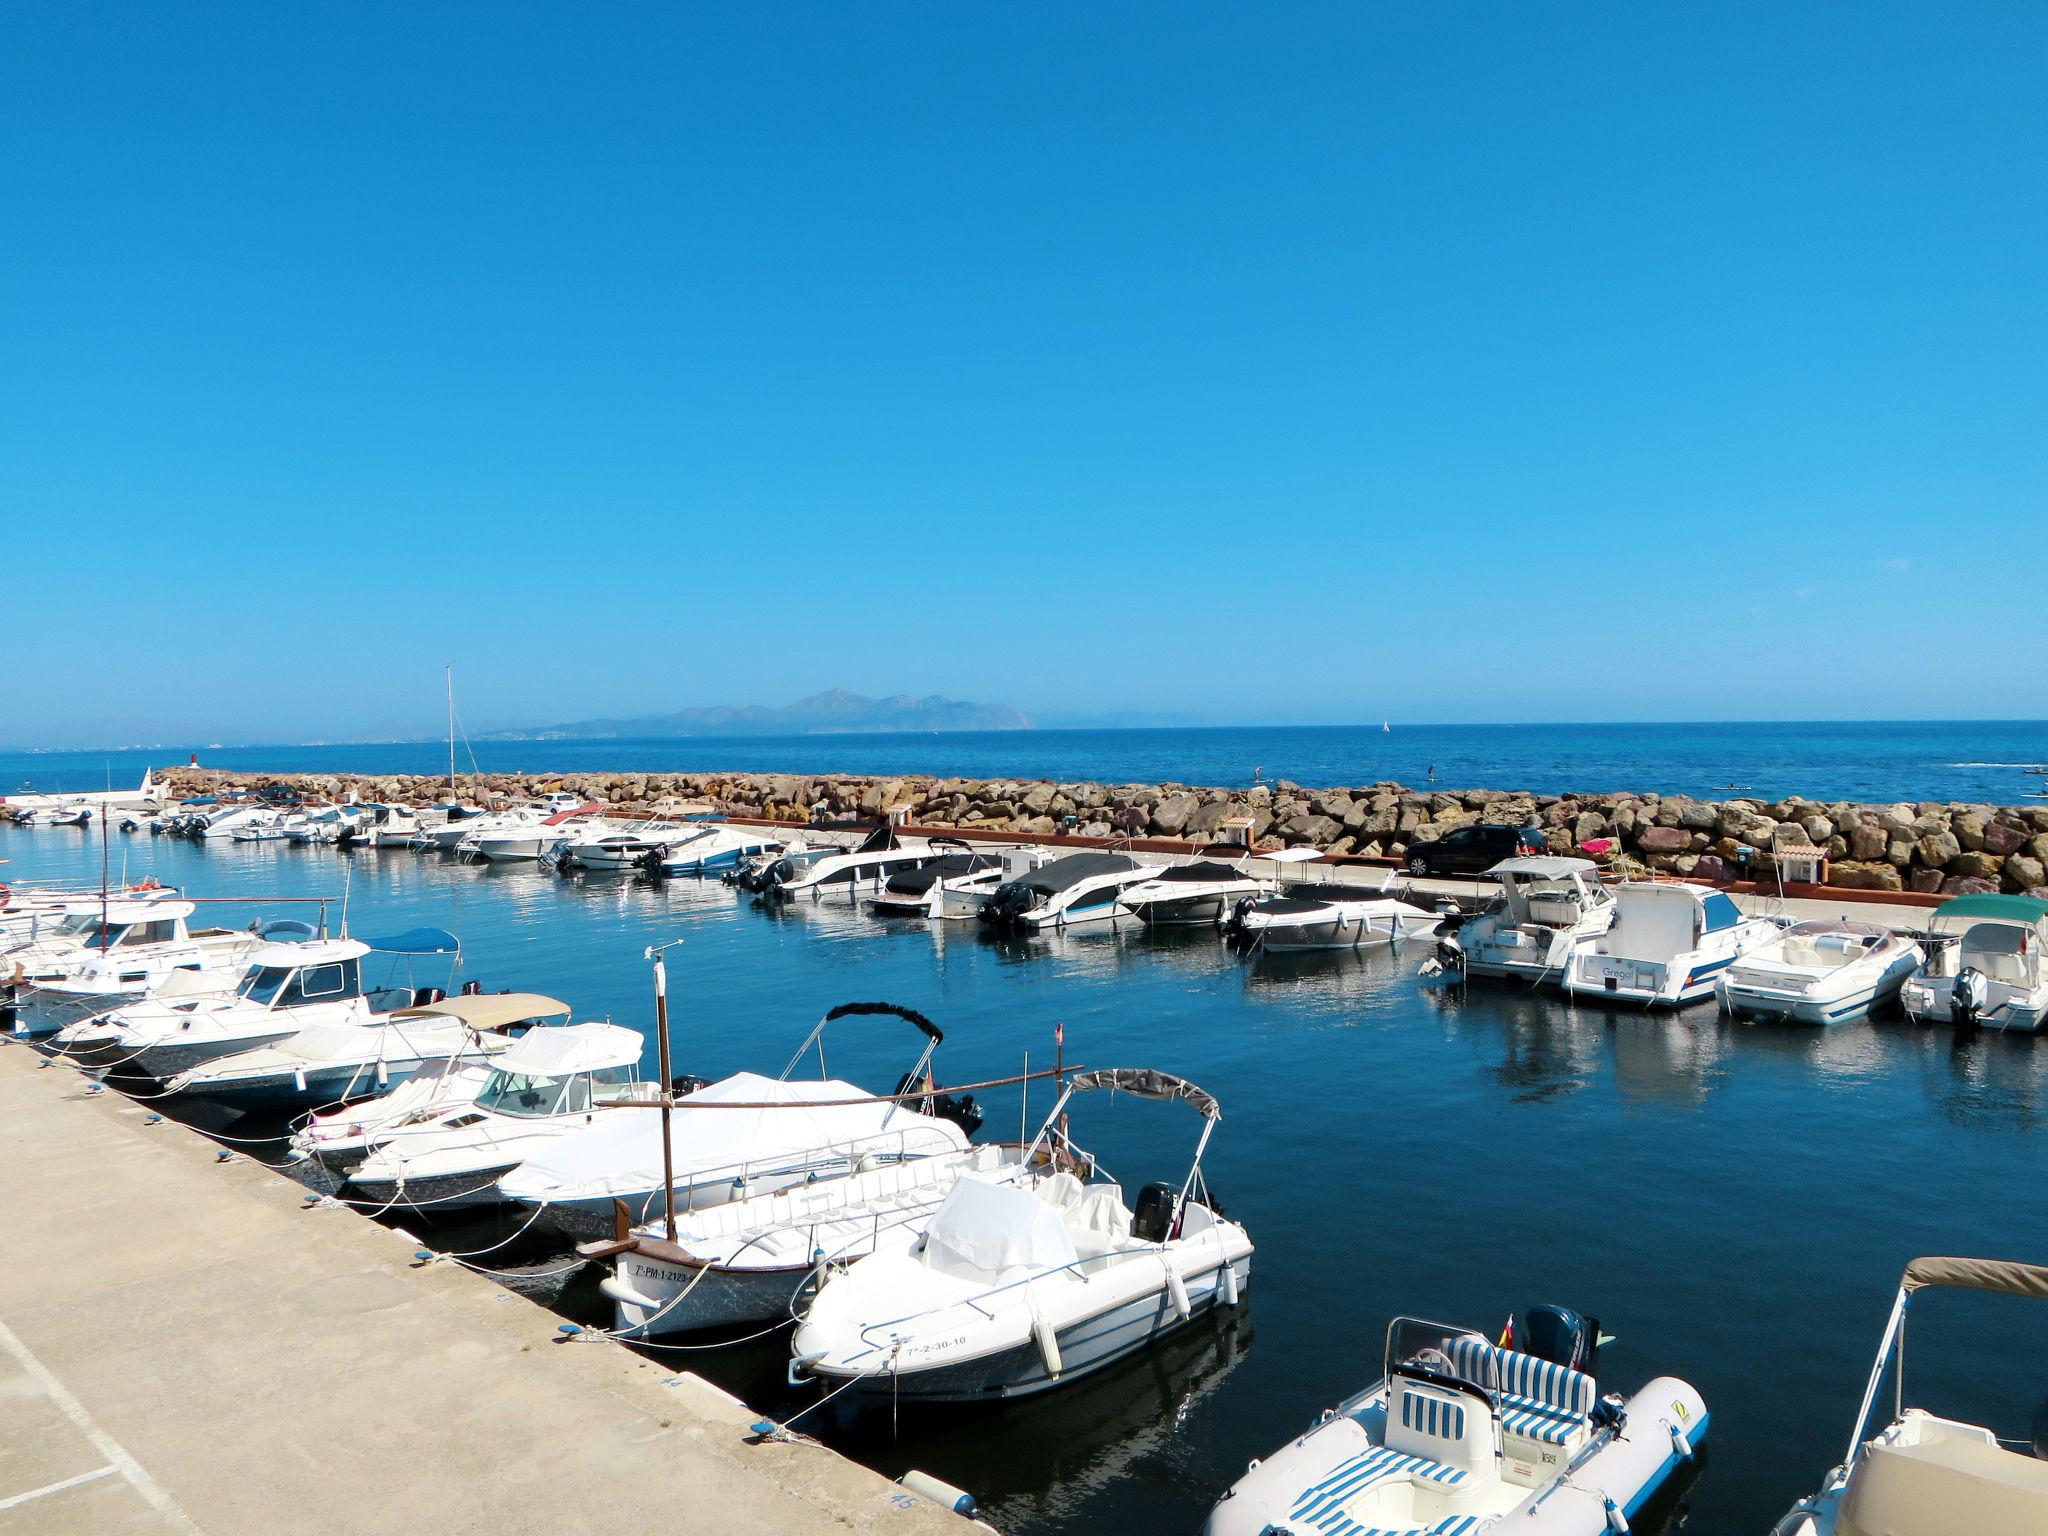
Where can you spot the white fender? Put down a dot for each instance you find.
(1046, 1337)
(1177, 1288)
(1226, 1284)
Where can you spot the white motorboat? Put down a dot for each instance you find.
(230, 821)
(517, 841)
(1922, 1474)
(717, 847)
(1079, 890)
(1667, 947)
(286, 989)
(60, 919)
(739, 1136)
(341, 1137)
(450, 834)
(1830, 971)
(1983, 969)
(1014, 1290)
(860, 870)
(1461, 1435)
(120, 956)
(1201, 892)
(1319, 914)
(548, 1084)
(405, 826)
(1548, 905)
(149, 796)
(952, 884)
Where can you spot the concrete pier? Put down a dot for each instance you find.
(186, 1347)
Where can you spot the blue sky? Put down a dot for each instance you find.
(1304, 363)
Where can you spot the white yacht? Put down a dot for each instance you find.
(1827, 972)
(286, 988)
(546, 1085)
(1461, 1435)
(1922, 1474)
(1667, 946)
(776, 1132)
(517, 841)
(717, 847)
(341, 1137)
(1314, 914)
(1983, 969)
(1079, 890)
(1013, 1290)
(1203, 892)
(229, 821)
(122, 951)
(861, 870)
(450, 834)
(1548, 904)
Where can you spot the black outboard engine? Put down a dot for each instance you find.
(1561, 1336)
(1966, 999)
(1233, 926)
(687, 1083)
(1007, 904)
(1154, 1216)
(421, 996)
(472, 989)
(650, 861)
(958, 1108)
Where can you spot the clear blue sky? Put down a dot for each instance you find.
(1297, 363)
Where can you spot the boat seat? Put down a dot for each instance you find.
(1539, 1400)
(1554, 911)
(1322, 1506)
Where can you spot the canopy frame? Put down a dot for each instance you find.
(933, 1035)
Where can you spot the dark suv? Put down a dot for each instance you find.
(1473, 849)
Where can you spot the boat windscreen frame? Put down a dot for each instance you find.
(1144, 1083)
(934, 1035)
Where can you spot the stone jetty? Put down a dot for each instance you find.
(1951, 849)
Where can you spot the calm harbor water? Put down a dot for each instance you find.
(1734, 1202)
(1972, 761)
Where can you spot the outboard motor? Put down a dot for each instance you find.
(1233, 926)
(421, 996)
(960, 1109)
(472, 989)
(687, 1083)
(1007, 904)
(1153, 1216)
(1966, 999)
(1561, 1336)
(650, 861)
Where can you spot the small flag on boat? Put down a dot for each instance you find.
(1507, 1334)
(1059, 1032)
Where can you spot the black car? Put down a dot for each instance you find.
(1473, 849)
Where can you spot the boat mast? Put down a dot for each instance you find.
(106, 938)
(659, 955)
(454, 795)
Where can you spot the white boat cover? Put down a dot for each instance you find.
(984, 1228)
(621, 1155)
(571, 1048)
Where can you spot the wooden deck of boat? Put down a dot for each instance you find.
(186, 1347)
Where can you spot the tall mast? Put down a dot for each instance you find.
(454, 796)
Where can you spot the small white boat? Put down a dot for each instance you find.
(1548, 905)
(1201, 892)
(1076, 891)
(632, 845)
(861, 870)
(951, 885)
(450, 835)
(716, 847)
(755, 1259)
(1830, 971)
(741, 1135)
(1984, 967)
(532, 838)
(1462, 1436)
(546, 1085)
(1922, 1474)
(341, 1137)
(1667, 947)
(1014, 1290)
(1313, 915)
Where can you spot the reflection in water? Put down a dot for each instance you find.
(1985, 1080)
(1669, 1058)
(1547, 1051)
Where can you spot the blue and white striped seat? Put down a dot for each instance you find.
(1321, 1507)
(1538, 1399)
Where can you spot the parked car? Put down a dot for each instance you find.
(1472, 850)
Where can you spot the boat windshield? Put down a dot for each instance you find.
(80, 923)
(1414, 1344)
(517, 1093)
(285, 986)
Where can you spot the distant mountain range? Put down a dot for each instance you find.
(833, 712)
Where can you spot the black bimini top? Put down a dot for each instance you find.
(916, 882)
(1314, 895)
(1074, 868)
(1204, 871)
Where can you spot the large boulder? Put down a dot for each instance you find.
(1037, 800)
(2023, 872)
(1976, 866)
(1660, 839)
(1170, 816)
(1926, 881)
(1968, 885)
(1316, 831)
(1937, 848)
(1969, 830)
(2001, 838)
(1697, 817)
(1865, 875)
(1867, 843)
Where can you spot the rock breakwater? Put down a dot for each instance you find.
(1951, 849)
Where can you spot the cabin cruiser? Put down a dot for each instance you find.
(123, 950)
(520, 841)
(1317, 914)
(229, 821)
(754, 1260)
(1069, 892)
(778, 1133)
(1461, 1435)
(546, 1085)
(1983, 969)
(1013, 1289)
(1668, 945)
(1547, 906)
(1922, 1474)
(450, 835)
(405, 826)
(1825, 972)
(1200, 891)
(866, 867)
(342, 1137)
(286, 988)
(608, 845)
(715, 847)
(953, 884)
(60, 919)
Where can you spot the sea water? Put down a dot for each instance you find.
(1734, 1202)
